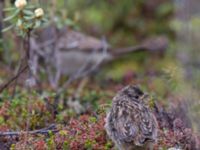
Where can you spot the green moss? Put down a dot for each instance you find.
(2, 121)
(89, 144)
(108, 145)
(93, 119)
(66, 146)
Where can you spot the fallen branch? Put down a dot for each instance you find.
(51, 128)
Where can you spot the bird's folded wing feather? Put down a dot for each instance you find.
(134, 125)
(126, 125)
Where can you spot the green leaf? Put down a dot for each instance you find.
(45, 20)
(8, 28)
(28, 17)
(37, 24)
(12, 16)
(9, 9)
(69, 22)
(19, 22)
(28, 25)
(30, 6)
(28, 12)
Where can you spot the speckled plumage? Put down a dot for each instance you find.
(130, 123)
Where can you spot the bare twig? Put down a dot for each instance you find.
(13, 78)
(27, 66)
(51, 128)
(19, 67)
(154, 44)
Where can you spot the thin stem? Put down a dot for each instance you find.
(28, 44)
(13, 79)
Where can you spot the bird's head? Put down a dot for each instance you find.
(134, 92)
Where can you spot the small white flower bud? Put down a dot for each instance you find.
(20, 3)
(39, 12)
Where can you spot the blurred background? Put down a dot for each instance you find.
(171, 74)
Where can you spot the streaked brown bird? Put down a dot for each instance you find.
(130, 123)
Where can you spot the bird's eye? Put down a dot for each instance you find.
(138, 91)
(136, 96)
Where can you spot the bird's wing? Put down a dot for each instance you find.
(147, 126)
(135, 123)
(126, 125)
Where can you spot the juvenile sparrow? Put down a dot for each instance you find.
(130, 123)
